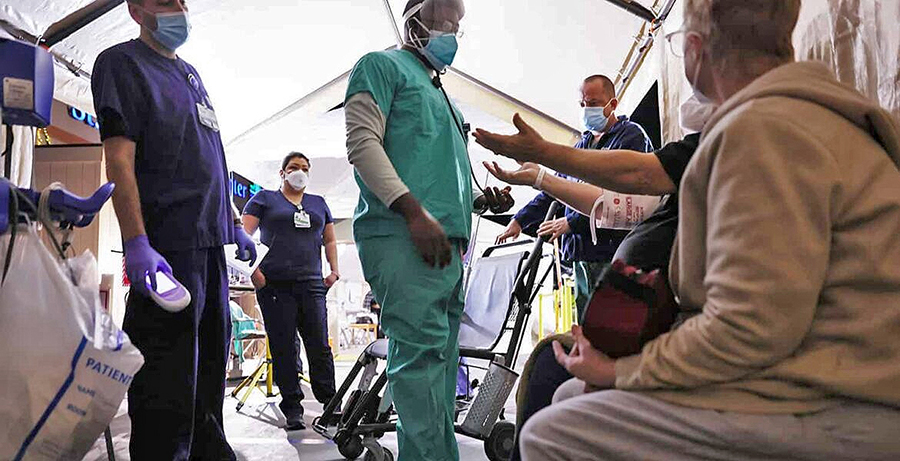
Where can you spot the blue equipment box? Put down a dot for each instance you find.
(26, 76)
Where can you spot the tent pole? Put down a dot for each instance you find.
(635, 8)
(511, 99)
(390, 14)
(67, 26)
(294, 106)
(645, 47)
(20, 34)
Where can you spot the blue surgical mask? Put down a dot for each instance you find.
(172, 29)
(595, 119)
(441, 47)
(441, 50)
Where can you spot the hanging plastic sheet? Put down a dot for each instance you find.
(674, 88)
(859, 40)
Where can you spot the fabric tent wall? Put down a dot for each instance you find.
(22, 155)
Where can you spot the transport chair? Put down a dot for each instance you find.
(499, 295)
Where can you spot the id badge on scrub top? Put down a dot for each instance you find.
(207, 117)
(301, 220)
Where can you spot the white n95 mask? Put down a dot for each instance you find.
(298, 180)
(695, 112)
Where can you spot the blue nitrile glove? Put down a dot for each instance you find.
(246, 248)
(141, 259)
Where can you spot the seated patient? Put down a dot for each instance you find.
(788, 246)
(647, 246)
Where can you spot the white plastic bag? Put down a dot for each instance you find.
(64, 365)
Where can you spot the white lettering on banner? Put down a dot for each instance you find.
(108, 371)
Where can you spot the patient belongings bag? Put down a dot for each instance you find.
(64, 365)
(628, 309)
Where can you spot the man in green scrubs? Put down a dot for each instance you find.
(414, 218)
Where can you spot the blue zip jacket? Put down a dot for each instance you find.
(577, 244)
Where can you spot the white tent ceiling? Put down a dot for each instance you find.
(257, 57)
(274, 68)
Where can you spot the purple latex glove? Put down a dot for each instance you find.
(141, 259)
(246, 248)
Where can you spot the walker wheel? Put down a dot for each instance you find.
(352, 448)
(499, 445)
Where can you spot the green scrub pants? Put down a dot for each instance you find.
(420, 313)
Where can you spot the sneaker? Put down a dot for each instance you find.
(295, 422)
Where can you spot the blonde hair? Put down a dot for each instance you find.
(737, 30)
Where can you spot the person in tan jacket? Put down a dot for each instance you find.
(788, 246)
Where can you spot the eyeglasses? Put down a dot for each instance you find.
(446, 28)
(676, 42)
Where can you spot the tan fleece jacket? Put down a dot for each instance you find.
(789, 244)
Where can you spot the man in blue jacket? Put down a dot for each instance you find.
(604, 130)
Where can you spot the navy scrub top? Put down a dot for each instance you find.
(180, 165)
(294, 253)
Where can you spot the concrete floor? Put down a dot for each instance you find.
(256, 432)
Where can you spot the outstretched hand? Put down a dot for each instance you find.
(526, 175)
(525, 146)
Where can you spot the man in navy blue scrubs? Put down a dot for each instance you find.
(164, 152)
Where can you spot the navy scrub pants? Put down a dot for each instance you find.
(289, 307)
(175, 401)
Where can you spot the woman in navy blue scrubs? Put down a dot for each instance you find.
(290, 287)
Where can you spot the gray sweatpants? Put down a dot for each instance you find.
(619, 425)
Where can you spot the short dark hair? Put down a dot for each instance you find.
(608, 86)
(291, 156)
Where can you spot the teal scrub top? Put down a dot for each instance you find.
(422, 141)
